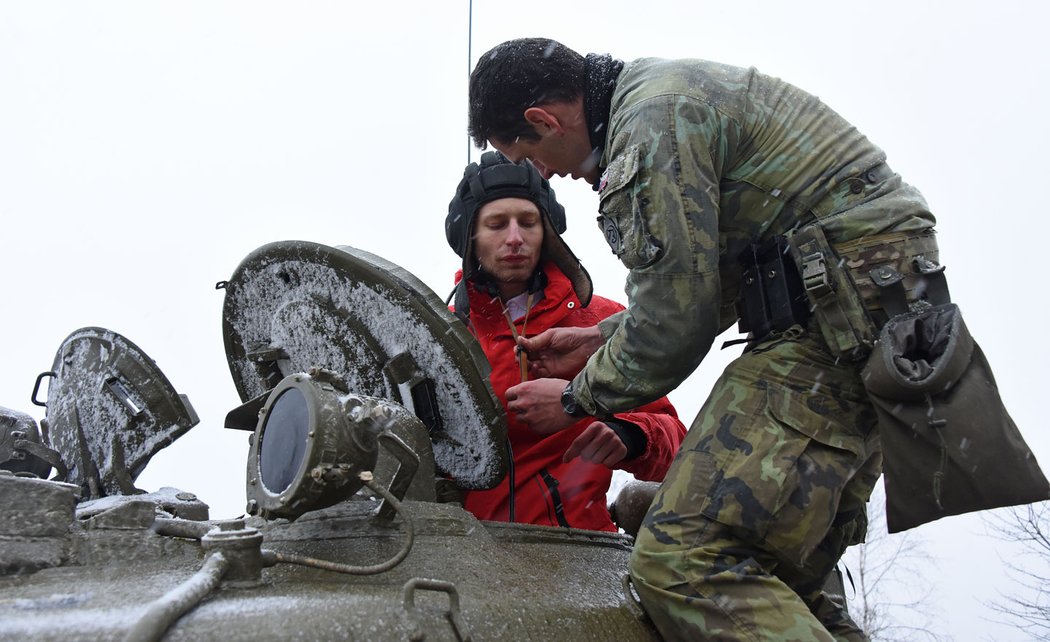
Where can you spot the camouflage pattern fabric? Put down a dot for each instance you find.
(895, 250)
(763, 497)
(701, 160)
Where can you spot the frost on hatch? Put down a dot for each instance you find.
(110, 409)
(288, 305)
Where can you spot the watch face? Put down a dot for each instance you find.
(568, 402)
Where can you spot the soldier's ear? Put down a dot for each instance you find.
(544, 120)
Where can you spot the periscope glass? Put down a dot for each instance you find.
(284, 440)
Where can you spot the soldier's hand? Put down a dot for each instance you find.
(538, 404)
(598, 444)
(560, 352)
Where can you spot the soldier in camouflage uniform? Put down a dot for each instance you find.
(694, 163)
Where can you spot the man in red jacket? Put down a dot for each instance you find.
(520, 278)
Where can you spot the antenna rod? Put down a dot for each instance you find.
(470, 35)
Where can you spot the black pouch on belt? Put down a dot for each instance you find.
(772, 297)
(949, 445)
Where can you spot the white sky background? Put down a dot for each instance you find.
(146, 148)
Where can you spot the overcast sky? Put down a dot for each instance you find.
(146, 148)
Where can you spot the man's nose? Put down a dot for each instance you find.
(514, 234)
(542, 169)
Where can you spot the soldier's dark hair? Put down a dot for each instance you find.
(514, 76)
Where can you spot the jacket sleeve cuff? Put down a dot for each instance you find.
(631, 435)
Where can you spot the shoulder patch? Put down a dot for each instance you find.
(612, 234)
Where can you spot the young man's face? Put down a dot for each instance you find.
(508, 237)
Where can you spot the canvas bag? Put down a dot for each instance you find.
(949, 445)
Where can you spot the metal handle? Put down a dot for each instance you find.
(459, 627)
(406, 471)
(36, 387)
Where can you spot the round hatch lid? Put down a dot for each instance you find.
(295, 305)
(109, 410)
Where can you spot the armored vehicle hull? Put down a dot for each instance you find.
(462, 579)
(370, 413)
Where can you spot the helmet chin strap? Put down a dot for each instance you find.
(487, 283)
(538, 280)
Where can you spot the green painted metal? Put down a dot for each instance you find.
(414, 566)
(294, 305)
(109, 410)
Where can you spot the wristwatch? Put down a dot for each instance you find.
(569, 405)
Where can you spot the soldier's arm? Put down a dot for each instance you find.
(660, 216)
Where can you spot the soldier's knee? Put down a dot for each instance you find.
(655, 562)
(641, 555)
(648, 557)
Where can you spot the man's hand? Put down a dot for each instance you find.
(560, 352)
(538, 404)
(598, 444)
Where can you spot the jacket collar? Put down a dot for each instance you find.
(486, 311)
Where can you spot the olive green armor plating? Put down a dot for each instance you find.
(368, 408)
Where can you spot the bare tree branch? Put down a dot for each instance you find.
(1028, 609)
(893, 601)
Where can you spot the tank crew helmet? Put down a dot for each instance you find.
(495, 177)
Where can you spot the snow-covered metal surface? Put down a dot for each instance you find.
(416, 566)
(295, 305)
(503, 581)
(109, 409)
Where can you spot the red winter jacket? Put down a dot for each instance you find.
(547, 491)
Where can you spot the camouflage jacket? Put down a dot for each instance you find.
(701, 160)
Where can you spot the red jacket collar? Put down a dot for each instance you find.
(486, 311)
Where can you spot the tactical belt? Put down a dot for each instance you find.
(851, 288)
(854, 287)
(944, 431)
(892, 293)
(844, 322)
(885, 266)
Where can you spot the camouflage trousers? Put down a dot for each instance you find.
(765, 494)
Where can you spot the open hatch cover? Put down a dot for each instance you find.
(109, 410)
(294, 305)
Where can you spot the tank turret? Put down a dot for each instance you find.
(368, 410)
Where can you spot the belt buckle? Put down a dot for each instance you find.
(815, 274)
